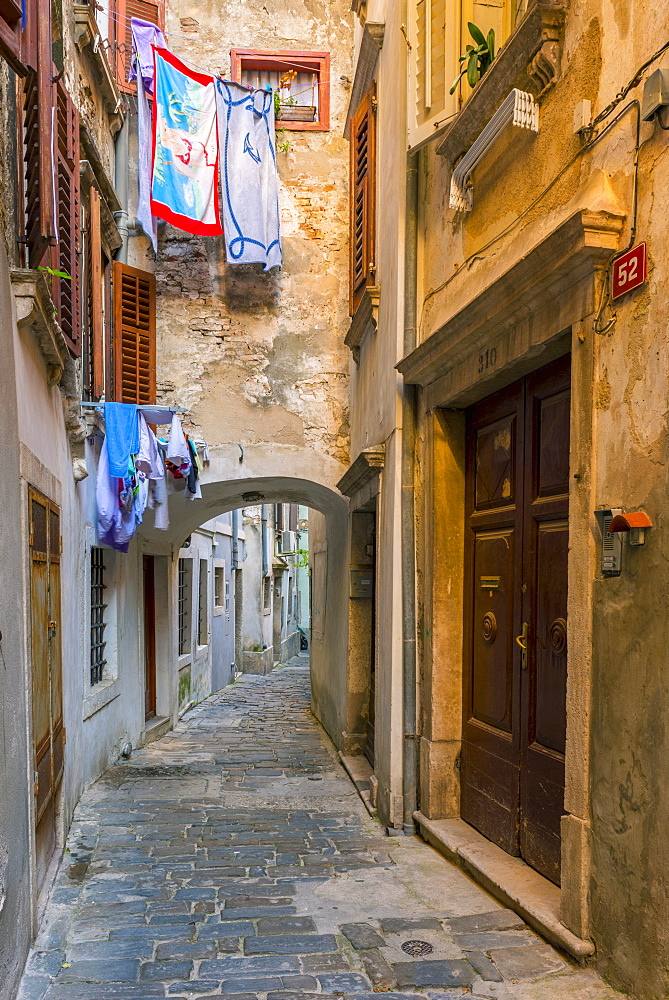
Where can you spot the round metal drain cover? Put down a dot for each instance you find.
(417, 948)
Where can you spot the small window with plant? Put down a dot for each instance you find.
(476, 59)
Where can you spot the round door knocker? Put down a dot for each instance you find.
(489, 627)
(557, 635)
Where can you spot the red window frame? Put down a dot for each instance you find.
(283, 60)
(119, 29)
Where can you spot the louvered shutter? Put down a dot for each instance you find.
(95, 306)
(134, 335)
(434, 66)
(123, 11)
(37, 146)
(10, 33)
(65, 253)
(363, 183)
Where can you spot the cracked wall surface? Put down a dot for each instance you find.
(259, 358)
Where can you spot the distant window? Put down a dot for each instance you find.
(98, 623)
(202, 602)
(267, 594)
(219, 586)
(184, 604)
(301, 79)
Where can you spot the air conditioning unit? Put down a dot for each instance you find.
(288, 542)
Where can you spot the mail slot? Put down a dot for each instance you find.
(362, 582)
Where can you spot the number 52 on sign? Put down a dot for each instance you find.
(629, 271)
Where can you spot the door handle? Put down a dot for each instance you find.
(521, 640)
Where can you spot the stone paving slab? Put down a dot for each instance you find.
(232, 858)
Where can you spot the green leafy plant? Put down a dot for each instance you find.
(476, 58)
(55, 274)
(282, 143)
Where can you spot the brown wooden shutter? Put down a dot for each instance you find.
(10, 33)
(134, 335)
(363, 183)
(95, 303)
(65, 254)
(37, 145)
(123, 11)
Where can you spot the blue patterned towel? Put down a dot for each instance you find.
(248, 175)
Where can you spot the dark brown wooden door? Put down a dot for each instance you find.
(514, 708)
(47, 684)
(149, 638)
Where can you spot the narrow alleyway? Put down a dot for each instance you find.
(233, 857)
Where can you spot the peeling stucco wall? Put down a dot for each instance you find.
(616, 789)
(259, 357)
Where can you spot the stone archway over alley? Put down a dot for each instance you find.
(234, 858)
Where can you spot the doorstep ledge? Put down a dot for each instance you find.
(508, 879)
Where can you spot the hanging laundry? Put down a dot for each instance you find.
(116, 524)
(145, 217)
(193, 491)
(122, 436)
(178, 453)
(248, 175)
(148, 457)
(145, 36)
(158, 496)
(184, 174)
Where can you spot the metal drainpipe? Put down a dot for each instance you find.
(409, 664)
(121, 185)
(263, 524)
(235, 539)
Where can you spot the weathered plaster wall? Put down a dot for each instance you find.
(614, 854)
(15, 764)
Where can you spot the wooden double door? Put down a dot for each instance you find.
(515, 653)
(47, 680)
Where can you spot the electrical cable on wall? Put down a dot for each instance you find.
(588, 145)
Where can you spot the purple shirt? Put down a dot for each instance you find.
(144, 35)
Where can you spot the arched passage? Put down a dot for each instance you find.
(273, 474)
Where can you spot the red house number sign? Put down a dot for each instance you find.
(629, 270)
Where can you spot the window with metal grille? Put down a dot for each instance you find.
(98, 623)
(363, 199)
(202, 602)
(184, 604)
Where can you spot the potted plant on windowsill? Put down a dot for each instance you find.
(286, 109)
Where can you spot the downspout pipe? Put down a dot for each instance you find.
(235, 539)
(408, 506)
(121, 185)
(263, 526)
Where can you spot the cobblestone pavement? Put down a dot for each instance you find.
(233, 858)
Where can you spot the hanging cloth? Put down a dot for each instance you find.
(248, 175)
(184, 165)
(116, 524)
(121, 435)
(144, 36)
(148, 458)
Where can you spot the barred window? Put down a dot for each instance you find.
(184, 604)
(98, 623)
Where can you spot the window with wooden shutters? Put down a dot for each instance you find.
(134, 335)
(363, 184)
(37, 94)
(10, 33)
(65, 291)
(121, 12)
(96, 312)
